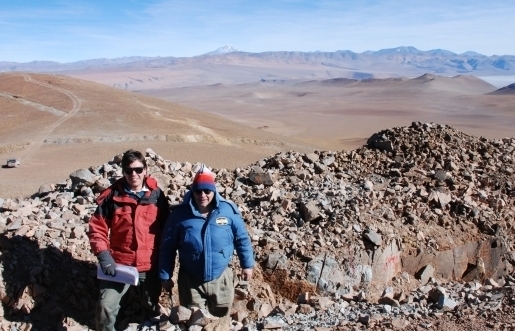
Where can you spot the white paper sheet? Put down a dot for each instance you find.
(124, 274)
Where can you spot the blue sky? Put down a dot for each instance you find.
(73, 30)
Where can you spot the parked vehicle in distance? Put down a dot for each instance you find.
(13, 163)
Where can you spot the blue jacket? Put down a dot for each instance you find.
(205, 246)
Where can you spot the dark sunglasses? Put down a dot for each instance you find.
(128, 171)
(205, 191)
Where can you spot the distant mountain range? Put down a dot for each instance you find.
(400, 59)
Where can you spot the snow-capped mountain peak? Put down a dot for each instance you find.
(223, 50)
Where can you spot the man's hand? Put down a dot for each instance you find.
(246, 274)
(167, 285)
(107, 263)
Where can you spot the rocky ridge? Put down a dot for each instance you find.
(412, 230)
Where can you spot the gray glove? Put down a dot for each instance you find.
(107, 263)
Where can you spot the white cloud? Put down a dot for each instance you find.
(69, 31)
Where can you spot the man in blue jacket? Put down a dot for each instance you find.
(205, 229)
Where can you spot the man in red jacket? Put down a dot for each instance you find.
(126, 229)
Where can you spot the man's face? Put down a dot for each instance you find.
(202, 199)
(134, 174)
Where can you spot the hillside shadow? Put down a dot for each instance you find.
(50, 289)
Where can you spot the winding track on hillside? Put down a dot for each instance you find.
(207, 136)
(40, 139)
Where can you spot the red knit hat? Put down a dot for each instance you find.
(204, 180)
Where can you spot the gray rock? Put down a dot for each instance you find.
(258, 176)
(310, 211)
(373, 237)
(45, 189)
(320, 168)
(441, 175)
(82, 176)
(368, 185)
(273, 322)
(311, 157)
(276, 260)
(446, 303)
(426, 274)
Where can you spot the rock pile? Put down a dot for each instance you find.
(431, 306)
(413, 226)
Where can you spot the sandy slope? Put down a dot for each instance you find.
(342, 113)
(57, 124)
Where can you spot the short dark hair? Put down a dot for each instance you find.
(131, 156)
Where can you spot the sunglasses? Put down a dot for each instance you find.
(128, 171)
(205, 191)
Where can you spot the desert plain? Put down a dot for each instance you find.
(225, 116)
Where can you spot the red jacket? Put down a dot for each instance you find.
(128, 228)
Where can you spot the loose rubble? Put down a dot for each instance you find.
(411, 231)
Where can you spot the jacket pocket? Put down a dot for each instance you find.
(222, 238)
(121, 215)
(227, 251)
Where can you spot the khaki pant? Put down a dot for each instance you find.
(217, 295)
(111, 293)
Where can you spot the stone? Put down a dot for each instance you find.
(368, 185)
(490, 281)
(444, 198)
(264, 310)
(200, 317)
(446, 303)
(102, 184)
(441, 175)
(9, 205)
(45, 189)
(273, 322)
(426, 273)
(258, 176)
(311, 157)
(180, 314)
(310, 211)
(221, 324)
(276, 260)
(290, 309)
(325, 302)
(436, 293)
(373, 237)
(305, 309)
(378, 141)
(82, 176)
